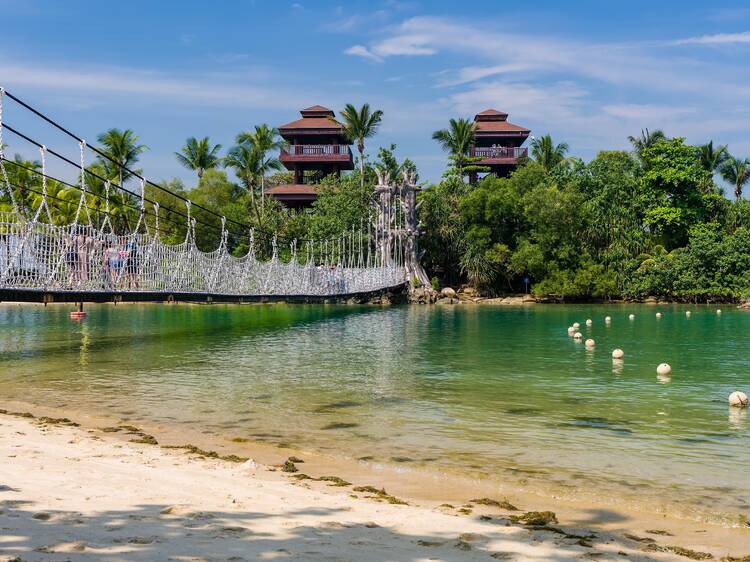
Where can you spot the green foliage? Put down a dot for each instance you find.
(342, 206)
(548, 154)
(199, 155)
(651, 223)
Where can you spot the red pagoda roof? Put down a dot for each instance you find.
(490, 115)
(492, 121)
(316, 110)
(314, 117)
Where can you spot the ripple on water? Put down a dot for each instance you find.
(470, 387)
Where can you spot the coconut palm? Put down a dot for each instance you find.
(24, 175)
(245, 161)
(458, 140)
(547, 153)
(264, 139)
(199, 155)
(712, 158)
(360, 124)
(121, 147)
(646, 140)
(736, 171)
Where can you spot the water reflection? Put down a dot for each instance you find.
(737, 417)
(475, 386)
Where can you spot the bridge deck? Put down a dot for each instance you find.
(52, 296)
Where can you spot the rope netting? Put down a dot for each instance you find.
(36, 253)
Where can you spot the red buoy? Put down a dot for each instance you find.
(78, 314)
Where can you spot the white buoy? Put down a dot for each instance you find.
(571, 330)
(664, 370)
(658, 314)
(576, 325)
(718, 311)
(577, 335)
(738, 399)
(618, 353)
(608, 319)
(589, 322)
(590, 343)
(688, 313)
(632, 316)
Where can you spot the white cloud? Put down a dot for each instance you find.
(209, 89)
(364, 52)
(647, 113)
(716, 39)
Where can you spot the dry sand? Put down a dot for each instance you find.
(69, 493)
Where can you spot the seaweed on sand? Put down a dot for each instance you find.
(502, 504)
(535, 518)
(680, 551)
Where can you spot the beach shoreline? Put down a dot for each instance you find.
(66, 472)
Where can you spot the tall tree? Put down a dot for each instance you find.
(199, 155)
(264, 139)
(458, 140)
(121, 147)
(712, 158)
(361, 124)
(547, 153)
(245, 161)
(646, 140)
(736, 171)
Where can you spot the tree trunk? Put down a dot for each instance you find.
(361, 148)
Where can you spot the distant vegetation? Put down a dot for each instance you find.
(652, 222)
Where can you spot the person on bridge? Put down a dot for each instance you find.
(132, 262)
(112, 265)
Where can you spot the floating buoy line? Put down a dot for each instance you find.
(736, 399)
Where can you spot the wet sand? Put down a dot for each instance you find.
(78, 493)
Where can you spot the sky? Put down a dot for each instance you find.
(590, 73)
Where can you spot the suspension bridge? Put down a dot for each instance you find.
(87, 260)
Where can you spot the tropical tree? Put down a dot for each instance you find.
(646, 140)
(736, 171)
(457, 139)
(24, 175)
(712, 158)
(264, 139)
(199, 155)
(360, 124)
(123, 150)
(547, 153)
(245, 161)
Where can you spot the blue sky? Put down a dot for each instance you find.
(590, 73)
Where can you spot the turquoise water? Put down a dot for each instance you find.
(498, 392)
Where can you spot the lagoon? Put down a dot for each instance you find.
(486, 392)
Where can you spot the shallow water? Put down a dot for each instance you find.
(496, 392)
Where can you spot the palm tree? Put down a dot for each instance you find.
(264, 139)
(547, 153)
(199, 155)
(712, 159)
(360, 125)
(457, 139)
(122, 147)
(24, 175)
(736, 171)
(245, 161)
(646, 140)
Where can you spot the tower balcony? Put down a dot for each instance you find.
(493, 155)
(328, 153)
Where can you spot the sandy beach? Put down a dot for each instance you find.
(74, 493)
